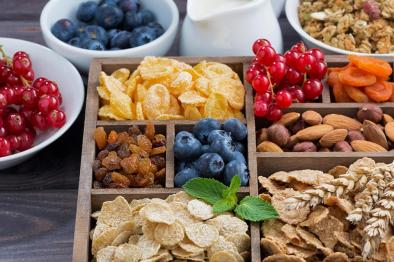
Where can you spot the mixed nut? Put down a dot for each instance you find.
(370, 131)
(129, 159)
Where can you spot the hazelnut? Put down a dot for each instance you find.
(370, 112)
(343, 146)
(262, 135)
(355, 135)
(299, 125)
(305, 147)
(278, 134)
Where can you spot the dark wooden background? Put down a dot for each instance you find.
(38, 198)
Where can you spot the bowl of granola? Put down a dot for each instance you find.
(363, 27)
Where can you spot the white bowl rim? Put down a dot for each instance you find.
(69, 121)
(109, 53)
(300, 31)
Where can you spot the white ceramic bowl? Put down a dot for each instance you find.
(292, 16)
(278, 6)
(166, 13)
(47, 63)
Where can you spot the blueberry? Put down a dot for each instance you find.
(109, 2)
(64, 29)
(237, 129)
(185, 175)
(93, 44)
(115, 49)
(141, 36)
(145, 17)
(204, 127)
(159, 30)
(236, 168)
(205, 149)
(75, 41)
(129, 5)
(120, 40)
(240, 147)
(131, 21)
(182, 165)
(80, 28)
(186, 146)
(86, 11)
(109, 16)
(237, 156)
(210, 165)
(218, 134)
(224, 147)
(95, 32)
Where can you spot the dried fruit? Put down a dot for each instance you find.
(158, 161)
(112, 137)
(111, 161)
(144, 143)
(370, 112)
(278, 134)
(130, 164)
(123, 151)
(333, 137)
(312, 117)
(145, 166)
(262, 135)
(100, 136)
(120, 179)
(150, 131)
(159, 140)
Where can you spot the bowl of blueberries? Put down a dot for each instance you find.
(83, 30)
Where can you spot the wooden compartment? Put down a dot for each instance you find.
(90, 200)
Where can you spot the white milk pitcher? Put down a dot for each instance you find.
(228, 27)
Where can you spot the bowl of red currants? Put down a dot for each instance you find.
(41, 95)
(81, 30)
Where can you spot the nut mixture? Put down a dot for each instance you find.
(177, 228)
(344, 215)
(370, 131)
(129, 159)
(365, 26)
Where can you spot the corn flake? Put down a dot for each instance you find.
(121, 74)
(156, 102)
(216, 106)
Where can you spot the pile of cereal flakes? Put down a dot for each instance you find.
(177, 228)
(365, 26)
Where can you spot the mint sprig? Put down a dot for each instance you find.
(224, 198)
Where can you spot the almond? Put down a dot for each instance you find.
(267, 146)
(387, 119)
(389, 130)
(333, 137)
(341, 121)
(313, 132)
(289, 118)
(312, 117)
(366, 146)
(374, 133)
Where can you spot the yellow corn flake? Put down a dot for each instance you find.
(232, 89)
(106, 112)
(169, 117)
(192, 113)
(216, 106)
(192, 98)
(194, 73)
(103, 92)
(131, 85)
(121, 104)
(212, 70)
(175, 108)
(202, 85)
(139, 113)
(139, 94)
(121, 74)
(111, 83)
(156, 67)
(181, 84)
(156, 102)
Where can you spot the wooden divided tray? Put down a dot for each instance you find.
(259, 164)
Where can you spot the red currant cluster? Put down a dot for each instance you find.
(25, 105)
(280, 80)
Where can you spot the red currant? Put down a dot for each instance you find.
(26, 140)
(293, 76)
(15, 123)
(5, 148)
(317, 53)
(21, 65)
(260, 108)
(9, 93)
(26, 113)
(251, 73)
(38, 82)
(261, 83)
(280, 58)
(260, 43)
(29, 98)
(47, 103)
(283, 99)
(14, 142)
(265, 97)
(277, 71)
(266, 55)
(18, 90)
(13, 79)
(305, 63)
(39, 121)
(5, 71)
(292, 58)
(20, 54)
(3, 101)
(299, 48)
(274, 113)
(3, 131)
(48, 88)
(60, 99)
(29, 76)
(297, 94)
(56, 118)
(319, 70)
(312, 89)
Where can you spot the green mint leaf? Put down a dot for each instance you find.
(234, 186)
(226, 204)
(255, 209)
(207, 189)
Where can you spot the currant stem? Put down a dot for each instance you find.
(25, 82)
(4, 55)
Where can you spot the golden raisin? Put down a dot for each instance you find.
(134, 131)
(123, 137)
(144, 166)
(120, 179)
(130, 164)
(158, 150)
(159, 175)
(150, 130)
(100, 136)
(112, 137)
(112, 161)
(144, 143)
(159, 140)
(158, 161)
(134, 149)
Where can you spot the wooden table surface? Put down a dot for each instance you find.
(38, 198)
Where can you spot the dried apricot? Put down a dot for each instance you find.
(338, 69)
(112, 137)
(392, 95)
(354, 76)
(340, 94)
(356, 94)
(379, 92)
(100, 136)
(375, 66)
(333, 78)
(150, 130)
(144, 143)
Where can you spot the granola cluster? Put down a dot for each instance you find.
(365, 26)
